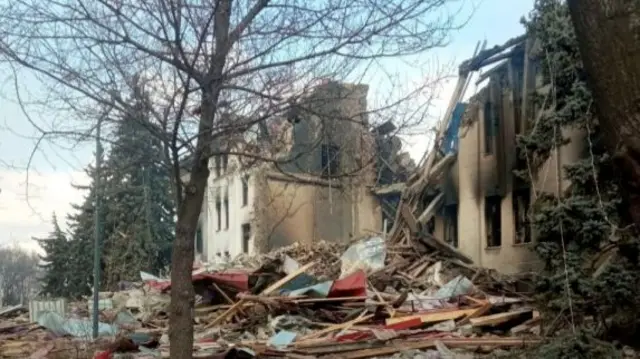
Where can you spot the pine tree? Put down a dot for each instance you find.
(57, 261)
(572, 232)
(139, 207)
(81, 224)
(138, 215)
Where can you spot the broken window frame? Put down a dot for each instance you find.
(489, 136)
(245, 190)
(493, 221)
(451, 224)
(218, 165)
(219, 212)
(330, 159)
(226, 210)
(199, 245)
(521, 199)
(225, 163)
(245, 231)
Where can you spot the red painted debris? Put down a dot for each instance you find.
(353, 285)
(103, 355)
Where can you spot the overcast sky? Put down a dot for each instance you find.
(26, 212)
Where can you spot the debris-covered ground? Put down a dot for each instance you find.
(372, 300)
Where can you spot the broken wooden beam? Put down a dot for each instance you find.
(409, 218)
(500, 318)
(476, 62)
(445, 247)
(427, 178)
(431, 209)
(479, 312)
(432, 317)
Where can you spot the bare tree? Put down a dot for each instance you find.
(18, 275)
(607, 34)
(217, 71)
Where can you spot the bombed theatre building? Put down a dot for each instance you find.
(321, 189)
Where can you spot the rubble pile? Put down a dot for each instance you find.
(371, 300)
(327, 254)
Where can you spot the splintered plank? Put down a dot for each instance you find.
(528, 325)
(431, 209)
(479, 312)
(496, 319)
(434, 316)
(336, 327)
(409, 218)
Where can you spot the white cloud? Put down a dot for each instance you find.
(25, 211)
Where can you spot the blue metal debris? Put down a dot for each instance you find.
(450, 142)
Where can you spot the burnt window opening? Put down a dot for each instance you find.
(518, 78)
(488, 128)
(218, 165)
(225, 163)
(493, 222)
(199, 239)
(330, 160)
(245, 191)
(246, 237)
(451, 224)
(219, 212)
(226, 210)
(491, 126)
(521, 212)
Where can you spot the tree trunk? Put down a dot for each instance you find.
(182, 292)
(608, 34)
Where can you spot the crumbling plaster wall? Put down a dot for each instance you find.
(307, 210)
(334, 112)
(302, 207)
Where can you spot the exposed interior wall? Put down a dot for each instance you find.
(333, 114)
(307, 212)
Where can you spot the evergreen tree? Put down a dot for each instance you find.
(81, 224)
(138, 212)
(56, 263)
(575, 231)
(138, 204)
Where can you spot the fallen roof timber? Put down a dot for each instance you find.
(518, 50)
(486, 57)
